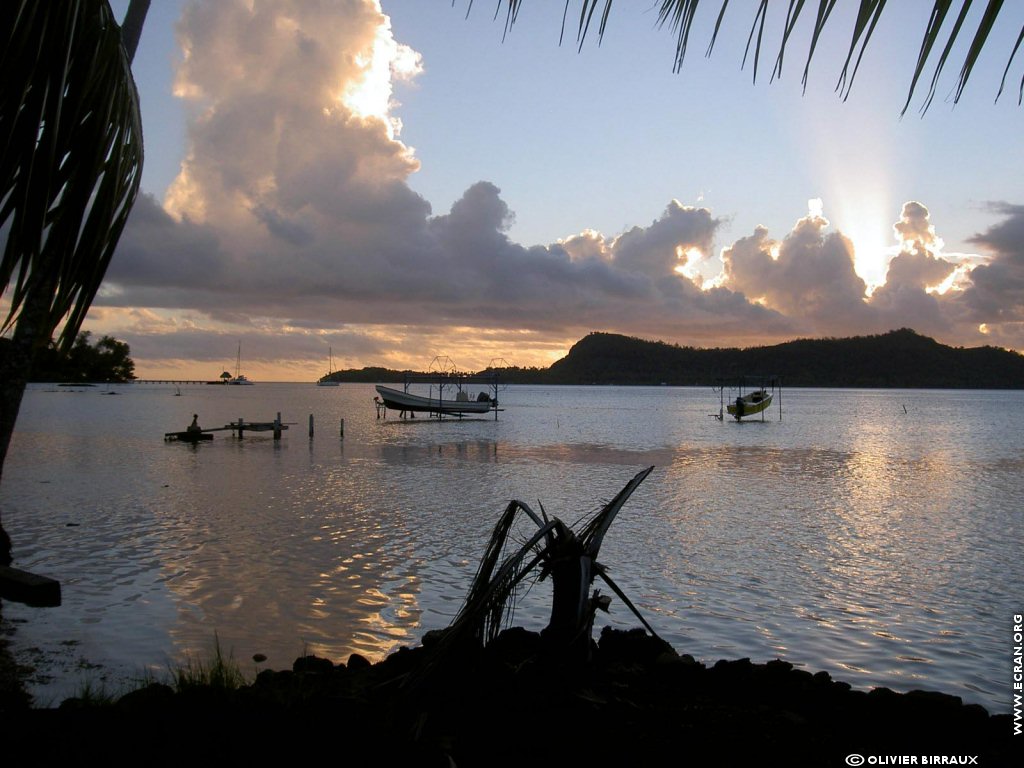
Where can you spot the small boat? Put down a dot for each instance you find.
(749, 404)
(327, 381)
(398, 400)
(187, 436)
(238, 378)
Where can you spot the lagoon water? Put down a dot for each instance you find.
(874, 534)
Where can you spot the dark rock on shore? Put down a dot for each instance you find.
(635, 703)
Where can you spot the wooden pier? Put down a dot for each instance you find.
(241, 426)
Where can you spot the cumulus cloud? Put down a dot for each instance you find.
(909, 297)
(808, 276)
(292, 223)
(996, 294)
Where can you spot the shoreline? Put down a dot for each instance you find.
(512, 704)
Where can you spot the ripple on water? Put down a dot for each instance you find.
(846, 537)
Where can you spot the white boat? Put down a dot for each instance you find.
(398, 400)
(749, 404)
(327, 381)
(238, 378)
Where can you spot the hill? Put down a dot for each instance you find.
(900, 358)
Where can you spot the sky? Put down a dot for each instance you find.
(389, 182)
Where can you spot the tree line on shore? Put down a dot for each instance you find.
(898, 359)
(107, 361)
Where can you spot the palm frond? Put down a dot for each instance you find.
(988, 20)
(762, 13)
(867, 18)
(592, 535)
(931, 34)
(72, 155)
(792, 14)
(490, 597)
(824, 10)
(1013, 54)
(718, 26)
(625, 599)
(680, 16)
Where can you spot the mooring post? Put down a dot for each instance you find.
(311, 425)
(239, 427)
(277, 426)
(342, 430)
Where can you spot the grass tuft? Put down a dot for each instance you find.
(220, 673)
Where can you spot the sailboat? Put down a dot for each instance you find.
(327, 381)
(238, 378)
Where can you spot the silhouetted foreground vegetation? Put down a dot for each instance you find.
(898, 359)
(509, 704)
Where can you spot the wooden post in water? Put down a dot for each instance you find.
(342, 430)
(240, 428)
(277, 426)
(311, 426)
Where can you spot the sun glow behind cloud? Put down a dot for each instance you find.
(958, 280)
(369, 95)
(689, 267)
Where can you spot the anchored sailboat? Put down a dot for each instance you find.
(327, 381)
(238, 378)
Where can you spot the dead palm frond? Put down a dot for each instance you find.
(679, 16)
(569, 557)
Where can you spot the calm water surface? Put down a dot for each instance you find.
(872, 534)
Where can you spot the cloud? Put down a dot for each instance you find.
(808, 276)
(292, 225)
(908, 298)
(996, 294)
(914, 228)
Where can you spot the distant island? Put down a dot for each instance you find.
(898, 359)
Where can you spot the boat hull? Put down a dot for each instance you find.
(188, 436)
(749, 405)
(397, 400)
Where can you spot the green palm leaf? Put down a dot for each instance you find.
(679, 15)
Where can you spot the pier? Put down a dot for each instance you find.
(241, 426)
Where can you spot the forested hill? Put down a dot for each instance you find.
(900, 358)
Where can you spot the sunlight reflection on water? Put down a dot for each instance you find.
(850, 536)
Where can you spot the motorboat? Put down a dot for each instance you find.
(399, 400)
(749, 404)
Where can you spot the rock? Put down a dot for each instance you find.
(357, 661)
(313, 664)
